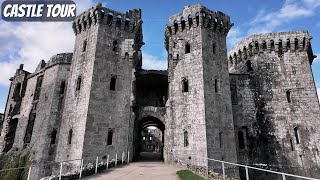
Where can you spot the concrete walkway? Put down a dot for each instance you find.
(140, 171)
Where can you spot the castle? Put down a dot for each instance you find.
(256, 105)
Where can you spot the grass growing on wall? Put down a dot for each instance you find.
(188, 175)
(20, 160)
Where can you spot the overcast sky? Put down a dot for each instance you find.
(29, 42)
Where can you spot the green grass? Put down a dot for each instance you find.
(188, 175)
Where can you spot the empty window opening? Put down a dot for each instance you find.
(185, 139)
(288, 93)
(220, 140)
(185, 85)
(197, 18)
(216, 85)
(78, 83)
(272, 45)
(190, 21)
(241, 140)
(296, 134)
(127, 24)
(110, 18)
(249, 66)
(28, 135)
(17, 89)
(213, 48)
(264, 45)
(175, 26)
(296, 45)
(62, 86)
(115, 46)
(291, 144)
(177, 56)
(84, 46)
(188, 49)
(53, 136)
(110, 136)
(70, 136)
(113, 83)
(288, 44)
(38, 88)
(234, 95)
(183, 24)
(118, 22)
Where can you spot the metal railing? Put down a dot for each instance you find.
(125, 158)
(181, 159)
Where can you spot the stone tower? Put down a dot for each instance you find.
(97, 111)
(199, 108)
(275, 104)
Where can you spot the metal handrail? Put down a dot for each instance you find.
(284, 175)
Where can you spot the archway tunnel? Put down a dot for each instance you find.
(148, 139)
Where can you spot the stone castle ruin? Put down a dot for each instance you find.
(256, 105)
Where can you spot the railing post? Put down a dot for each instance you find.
(247, 173)
(128, 157)
(60, 171)
(115, 165)
(108, 161)
(29, 173)
(97, 160)
(122, 157)
(81, 166)
(223, 171)
(207, 168)
(283, 176)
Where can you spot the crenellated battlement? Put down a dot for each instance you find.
(129, 21)
(198, 16)
(294, 41)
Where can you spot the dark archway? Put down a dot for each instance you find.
(141, 138)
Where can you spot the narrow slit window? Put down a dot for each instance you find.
(291, 144)
(84, 48)
(17, 90)
(53, 136)
(79, 83)
(113, 83)
(241, 140)
(115, 46)
(70, 136)
(188, 49)
(296, 134)
(62, 87)
(288, 93)
(220, 140)
(185, 85)
(213, 48)
(186, 139)
(110, 136)
(216, 85)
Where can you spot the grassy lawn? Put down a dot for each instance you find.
(188, 175)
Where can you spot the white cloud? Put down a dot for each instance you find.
(28, 43)
(151, 62)
(234, 37)
(1, 110)
(318, 91)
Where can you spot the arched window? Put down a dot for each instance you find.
(70, 136)
(296, 134)
(288, 93)
(113, 83)
(249, 66)
(62, 86)
(190, 21)
(110, 18)
(78, 83)
(241, 140)
(185, 139)
(110, 136)
(185, 85)
(188, 48)
(53, 136)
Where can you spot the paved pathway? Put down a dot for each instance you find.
(149, 167)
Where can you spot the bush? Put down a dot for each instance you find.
(188, 175)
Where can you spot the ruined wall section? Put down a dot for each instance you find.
(13, 108)
(218, 109)
(285, 133)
